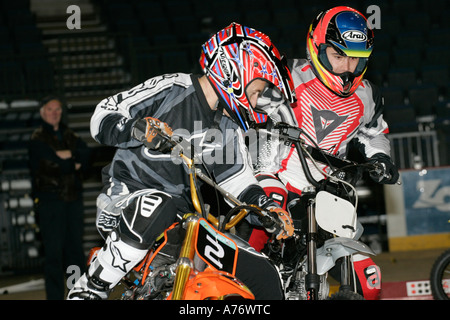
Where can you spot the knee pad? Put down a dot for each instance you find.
(369, 276)
(114, 260)
(273, 188)
(146, 215)
(107, 268)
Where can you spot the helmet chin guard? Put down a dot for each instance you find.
(232, 59)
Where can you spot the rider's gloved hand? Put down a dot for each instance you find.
(154, 133)
(282, 230)
(387, 172)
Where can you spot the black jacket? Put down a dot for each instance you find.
(53, 176)
(178, 100)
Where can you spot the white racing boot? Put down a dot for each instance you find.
(112, 262)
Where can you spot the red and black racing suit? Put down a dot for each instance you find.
(332, 122)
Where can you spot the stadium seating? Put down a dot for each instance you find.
(141, 39)
(401, 118)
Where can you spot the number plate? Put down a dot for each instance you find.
(335, 215)
(216, 249)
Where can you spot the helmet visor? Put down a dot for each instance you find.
(323, 59)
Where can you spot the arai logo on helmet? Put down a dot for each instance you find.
(354, 35)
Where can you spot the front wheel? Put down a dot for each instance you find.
(346, 295)
(440, 277)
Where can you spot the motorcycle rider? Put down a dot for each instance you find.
(145, 190)
(336, 107)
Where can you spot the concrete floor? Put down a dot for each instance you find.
(395, 267)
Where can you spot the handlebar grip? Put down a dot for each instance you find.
(139, 130)
(154, 134)
(270, 221)
(379, 171)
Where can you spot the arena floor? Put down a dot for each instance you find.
(398, 268)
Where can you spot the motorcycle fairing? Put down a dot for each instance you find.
(170, 245)
(336, 248)
(216, 285)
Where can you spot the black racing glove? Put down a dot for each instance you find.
(385, 171)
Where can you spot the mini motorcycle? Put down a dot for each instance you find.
(194, 259)
(326, 226)
(440, 277)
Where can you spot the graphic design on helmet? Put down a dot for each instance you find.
(236, 56)
(346, 31)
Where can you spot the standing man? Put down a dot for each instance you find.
(57, 158)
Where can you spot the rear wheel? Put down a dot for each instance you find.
(440, 277)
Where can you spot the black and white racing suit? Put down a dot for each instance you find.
(144, 191)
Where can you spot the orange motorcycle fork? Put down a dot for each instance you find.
(211, 284)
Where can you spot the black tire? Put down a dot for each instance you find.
(440, 266)
(346, 295)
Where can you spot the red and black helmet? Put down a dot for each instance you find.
(347, 31)
(236, 56)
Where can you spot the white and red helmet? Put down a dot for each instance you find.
(232, 59)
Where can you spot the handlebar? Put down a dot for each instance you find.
(183, 149)
(291, 135)
(240, 210)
